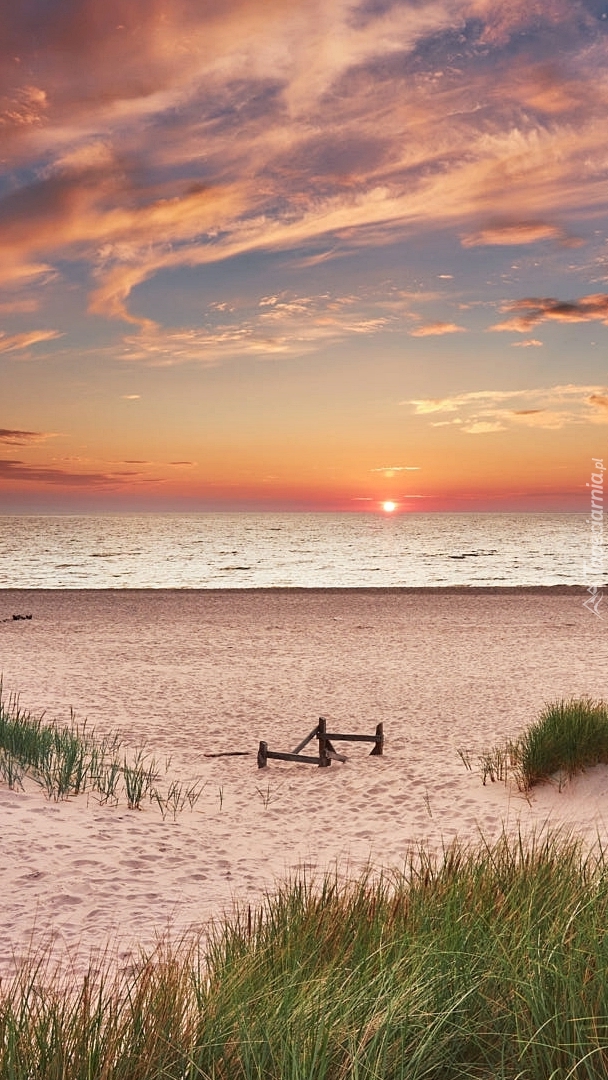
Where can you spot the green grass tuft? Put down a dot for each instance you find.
(568, 737)
(67, 760)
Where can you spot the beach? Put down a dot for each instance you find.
(192, 673)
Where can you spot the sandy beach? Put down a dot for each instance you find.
(191, 673)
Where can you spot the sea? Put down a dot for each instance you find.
(294, 550)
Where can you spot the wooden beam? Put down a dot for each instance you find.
(305, 741)
(302, 758)
(336, 757)
(352, 738)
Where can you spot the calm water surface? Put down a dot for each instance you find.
(201, 551)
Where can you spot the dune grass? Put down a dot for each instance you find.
(70, 759)
(487, 962)
(65, 759)
(568, 737)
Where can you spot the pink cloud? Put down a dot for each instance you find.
(518, 232)
(480, 412)
(531, 311)
(179, 135)
(15, 342)
(434, 329)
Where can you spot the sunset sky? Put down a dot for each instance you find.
(302, 254)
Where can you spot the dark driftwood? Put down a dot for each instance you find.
(230, 753)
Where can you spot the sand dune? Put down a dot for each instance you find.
(198, 672)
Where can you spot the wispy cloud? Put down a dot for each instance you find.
(280, 325)
(25, 108)
(389, 470)
(187, 135)
(483, 427)
(12, 470)
(14, 437)
(519, 232)
(16, 342)
(481, 412)
(436, 329)
(529, 312)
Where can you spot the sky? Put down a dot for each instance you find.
(302, 254)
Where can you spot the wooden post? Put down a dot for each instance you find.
(262, 755)
(324, 745)
(328, 744)
(379, 746)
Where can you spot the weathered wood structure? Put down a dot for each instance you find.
(327, 752)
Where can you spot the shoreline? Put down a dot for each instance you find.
(458, 590)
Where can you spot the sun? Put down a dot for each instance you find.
(389, 507)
